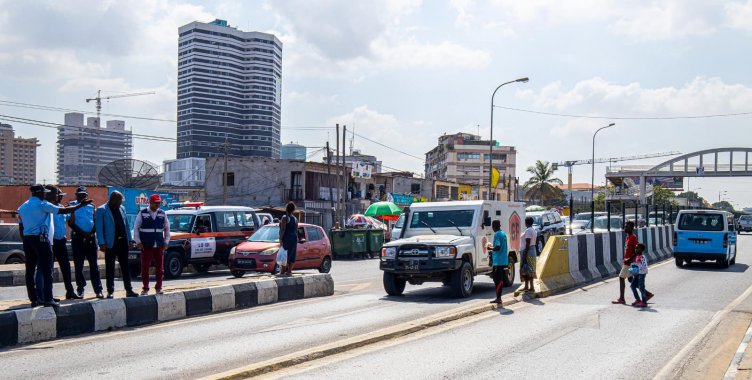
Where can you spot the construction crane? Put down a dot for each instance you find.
(98, 99)
(98, 103)
(570, 164)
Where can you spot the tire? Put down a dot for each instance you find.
(723, 263)
(678, 262)
(540, 244)
(326, 265)
(733, 261)
(392, 285)
(201, 268)
(173, 264)
(509, 274)
(238, 273)
(15, 260)
(462, 280)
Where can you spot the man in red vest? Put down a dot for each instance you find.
(151, 231)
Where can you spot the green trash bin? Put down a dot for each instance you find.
(375, 241)
(359, 242)
(341, 243)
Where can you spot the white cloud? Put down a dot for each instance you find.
(464, 9)
(739, 15)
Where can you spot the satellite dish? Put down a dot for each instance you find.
(129, 173)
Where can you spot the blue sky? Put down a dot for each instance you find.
(405, 72)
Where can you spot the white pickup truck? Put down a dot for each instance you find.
(448, 242)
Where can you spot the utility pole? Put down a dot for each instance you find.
(344, 175)
(336, 210)
(224, 176)
(329, 175)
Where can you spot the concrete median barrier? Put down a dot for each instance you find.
(568, 261)
(45, 323)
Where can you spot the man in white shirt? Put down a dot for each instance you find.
(151, 231)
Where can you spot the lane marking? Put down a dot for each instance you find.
(668, 370)
(733, 368)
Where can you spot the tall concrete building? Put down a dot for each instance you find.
(83, 149)
(18, 157)
(184, 172)
(229, 91)
(463, 158)
(293, 152)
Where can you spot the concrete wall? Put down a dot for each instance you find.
(13, 196)
(258, 181)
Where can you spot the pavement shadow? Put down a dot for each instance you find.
(504, 312)
(709, 266)
(444, 294)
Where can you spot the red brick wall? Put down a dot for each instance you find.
(11, 197)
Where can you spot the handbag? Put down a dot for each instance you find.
(282, 256)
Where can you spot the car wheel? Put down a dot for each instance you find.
(392, 285)
(733, 261)
(462, 280)
(539, 245)
(173, 265)
(238, 273)
(678, 262)
(201, 268)
(326, 265)
(14, 260)
(509, 274)
(723, 263)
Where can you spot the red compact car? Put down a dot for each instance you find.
(259, 252)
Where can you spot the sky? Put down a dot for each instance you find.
(404, 72)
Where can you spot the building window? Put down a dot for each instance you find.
(415, 188)
(230, 179)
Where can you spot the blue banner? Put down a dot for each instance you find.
(136, 199)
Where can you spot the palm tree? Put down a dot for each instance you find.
(541, 184)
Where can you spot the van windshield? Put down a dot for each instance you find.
(180, 222)
(701, 222)
(400, 221)
(438, 219)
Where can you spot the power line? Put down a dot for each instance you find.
(59, 109)
(625, 117)
(47, 124)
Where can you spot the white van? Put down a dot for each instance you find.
(705, 235)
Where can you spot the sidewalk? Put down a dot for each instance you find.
(741, 365)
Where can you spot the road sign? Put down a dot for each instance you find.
(700, 170)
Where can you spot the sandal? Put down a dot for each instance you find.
(619, 301)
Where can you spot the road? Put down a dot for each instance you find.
(690, 331)
(203, 346)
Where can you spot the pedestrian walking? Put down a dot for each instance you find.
(59, 246)
(630, 245)
(84, 244)
(638, 270)
(37, 230)
(151, 231)
(499, 259)
(114, 238)
(288, 235)
(528, 247)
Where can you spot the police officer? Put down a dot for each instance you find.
(37, 230)
(84, 244)
(151, 231)
(59, 246)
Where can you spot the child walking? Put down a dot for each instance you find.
(639, 270)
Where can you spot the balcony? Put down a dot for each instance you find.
(295, 194)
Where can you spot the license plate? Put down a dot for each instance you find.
(245, 261)
(132, 256)
(412, 265)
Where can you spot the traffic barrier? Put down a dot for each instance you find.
(45, 323)
(567, 261)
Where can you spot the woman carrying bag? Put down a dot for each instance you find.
(288, 236)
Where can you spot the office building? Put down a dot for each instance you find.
(18, 157)
(229, 92)
(463, 158)
(293, 152)
(187, 172)
(83, 149)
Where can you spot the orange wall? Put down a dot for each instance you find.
(11, 197)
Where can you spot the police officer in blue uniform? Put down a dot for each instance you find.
(36, 229)
(84, 244)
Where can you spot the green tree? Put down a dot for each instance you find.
(541, 185)
(723, 205)
(662, 196)
(692, 197)
(600, 202)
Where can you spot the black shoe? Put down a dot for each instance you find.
(131, 293)
(54, 304)
(55, 299)
(72, 296)
(80, 293)
(100, 295)
(34, 304)
(110, 296)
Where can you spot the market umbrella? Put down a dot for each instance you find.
(535, 208)
(383, 209)
(356, 220)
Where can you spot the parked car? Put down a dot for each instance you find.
(547, 224)
(11, 247)
(202, 237)
(601, 225)
(586, 215)
(705, 235)
(638, 219)
(745, 223)
(259, 252)
(264, 216)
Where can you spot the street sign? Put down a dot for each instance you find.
(700, 170)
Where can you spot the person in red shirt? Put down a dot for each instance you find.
(629, 255)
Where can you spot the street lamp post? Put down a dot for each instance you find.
(592, 180)
(491, 142)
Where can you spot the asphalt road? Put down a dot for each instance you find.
(691, 329)
(202, 346)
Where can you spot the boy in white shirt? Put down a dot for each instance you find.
(640, 266)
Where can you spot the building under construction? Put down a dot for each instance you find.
(83, 149)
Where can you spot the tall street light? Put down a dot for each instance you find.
(592, 180)
(491, 142)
